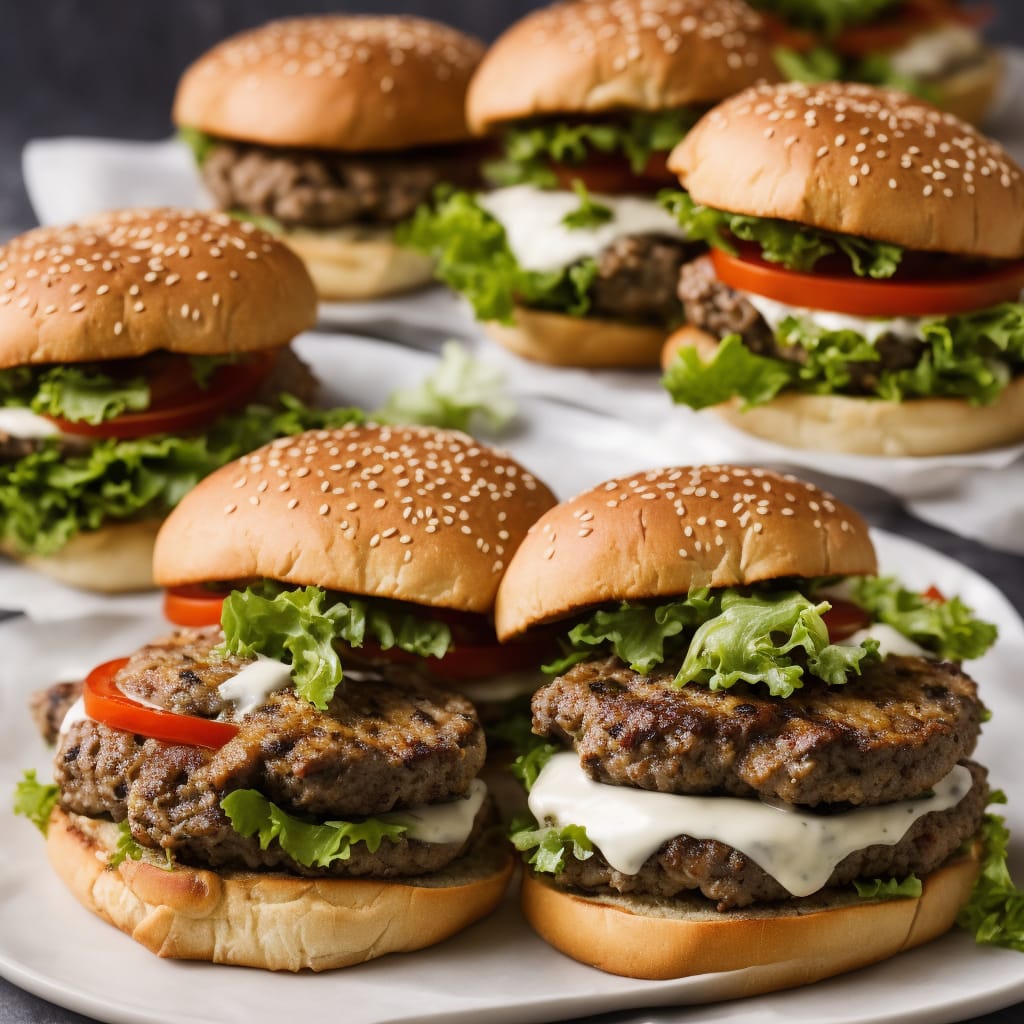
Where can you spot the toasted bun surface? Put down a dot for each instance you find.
(667, 531)
(796, 944)
(599, 56)
(410, 513)
(871, 426)
(343, 82)
(134, 281)
(274, 921)
(859, 160)
(561, 340)
(355, 264)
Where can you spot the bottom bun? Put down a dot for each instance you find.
(351, 264)
(870, 426)
(115, 559)
(271, 920)
(970, 93)
(784, 945)
(561, 340)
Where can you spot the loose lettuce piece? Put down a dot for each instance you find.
(751, 639)
(550, 845)
(35, 800)
(589, 214)
(126, 848)
(827, 16)
(995, 910)
(889, 888)
(530, 763)
(198, 141)
(948, 628)
(472, 257)
(251, 813)
(795, 246)
(821, 64)
(460, 392)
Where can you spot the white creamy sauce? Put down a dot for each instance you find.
(506, 686)
(890, 641)
(798, 849)
(251, 687)
(871, 328)
(24, 423)
(74, 714)
(931, 53)
(449, 822)
(532, 219)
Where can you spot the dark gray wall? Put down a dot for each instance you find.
(108, 67)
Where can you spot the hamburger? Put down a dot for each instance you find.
(139, 351)
(862, 293)
(932, 48)
(570, 261)
(329, 131)
(755, 753)
(295, 788)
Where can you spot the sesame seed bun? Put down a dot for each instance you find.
(411, 513)
(667, 531)
(858, 160)
(604, 56)
(130, 282)
(338, 82)
(562, 340)
(274, 921)
(869, 426)
(770, 948)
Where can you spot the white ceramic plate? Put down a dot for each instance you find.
(498, 968)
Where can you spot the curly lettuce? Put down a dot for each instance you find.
(822, 64)
(548, 845)
(889, 888)
(35, 800)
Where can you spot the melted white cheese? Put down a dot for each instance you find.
(449, 822)
(798, 849)
(506, 686)
(532, 219)
(871, 328)
(931, 53)
(74, 714)
(20, 422)
(890, 641)
(251, 687)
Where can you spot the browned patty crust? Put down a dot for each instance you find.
(887, 735)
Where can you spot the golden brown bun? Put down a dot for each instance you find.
(134, 281)
(591, 57)
(667, 531)
(115, 559)
(971, 92)
(828, 935)
(356, 264)
(561, 340)
(859, 160)
(275, 921)
(871, 426)
(343, 82)
(410, 513)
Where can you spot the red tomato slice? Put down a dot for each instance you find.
(180, 406)
(193, 605)
(844, 619)
(612, 175)
(912, 19)
(781, 34)
(105, 703)
(464, 661)
(864, 297)
(934, 594)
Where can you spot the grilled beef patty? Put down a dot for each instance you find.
(383, 744)
(731, 879)
(887, 735)
(637, 278)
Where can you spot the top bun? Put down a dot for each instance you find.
(596, 56)
(410, 513)
(858, 160)
(667, 531)
(340, 82)
(130, 282)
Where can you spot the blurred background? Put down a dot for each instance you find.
(109, 67)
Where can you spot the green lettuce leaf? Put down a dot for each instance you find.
(461, 392)
(550, 845)
(126, 847)
(889, 888)
(827, 16)
(35, 800)
(751, 639)
(994, 913)
(589, 214)
(795, 246)
(251, 813)
(821, 64)
(80, 393)
(948, 628)
(530, 763)
(198, 141)
(472, 257)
